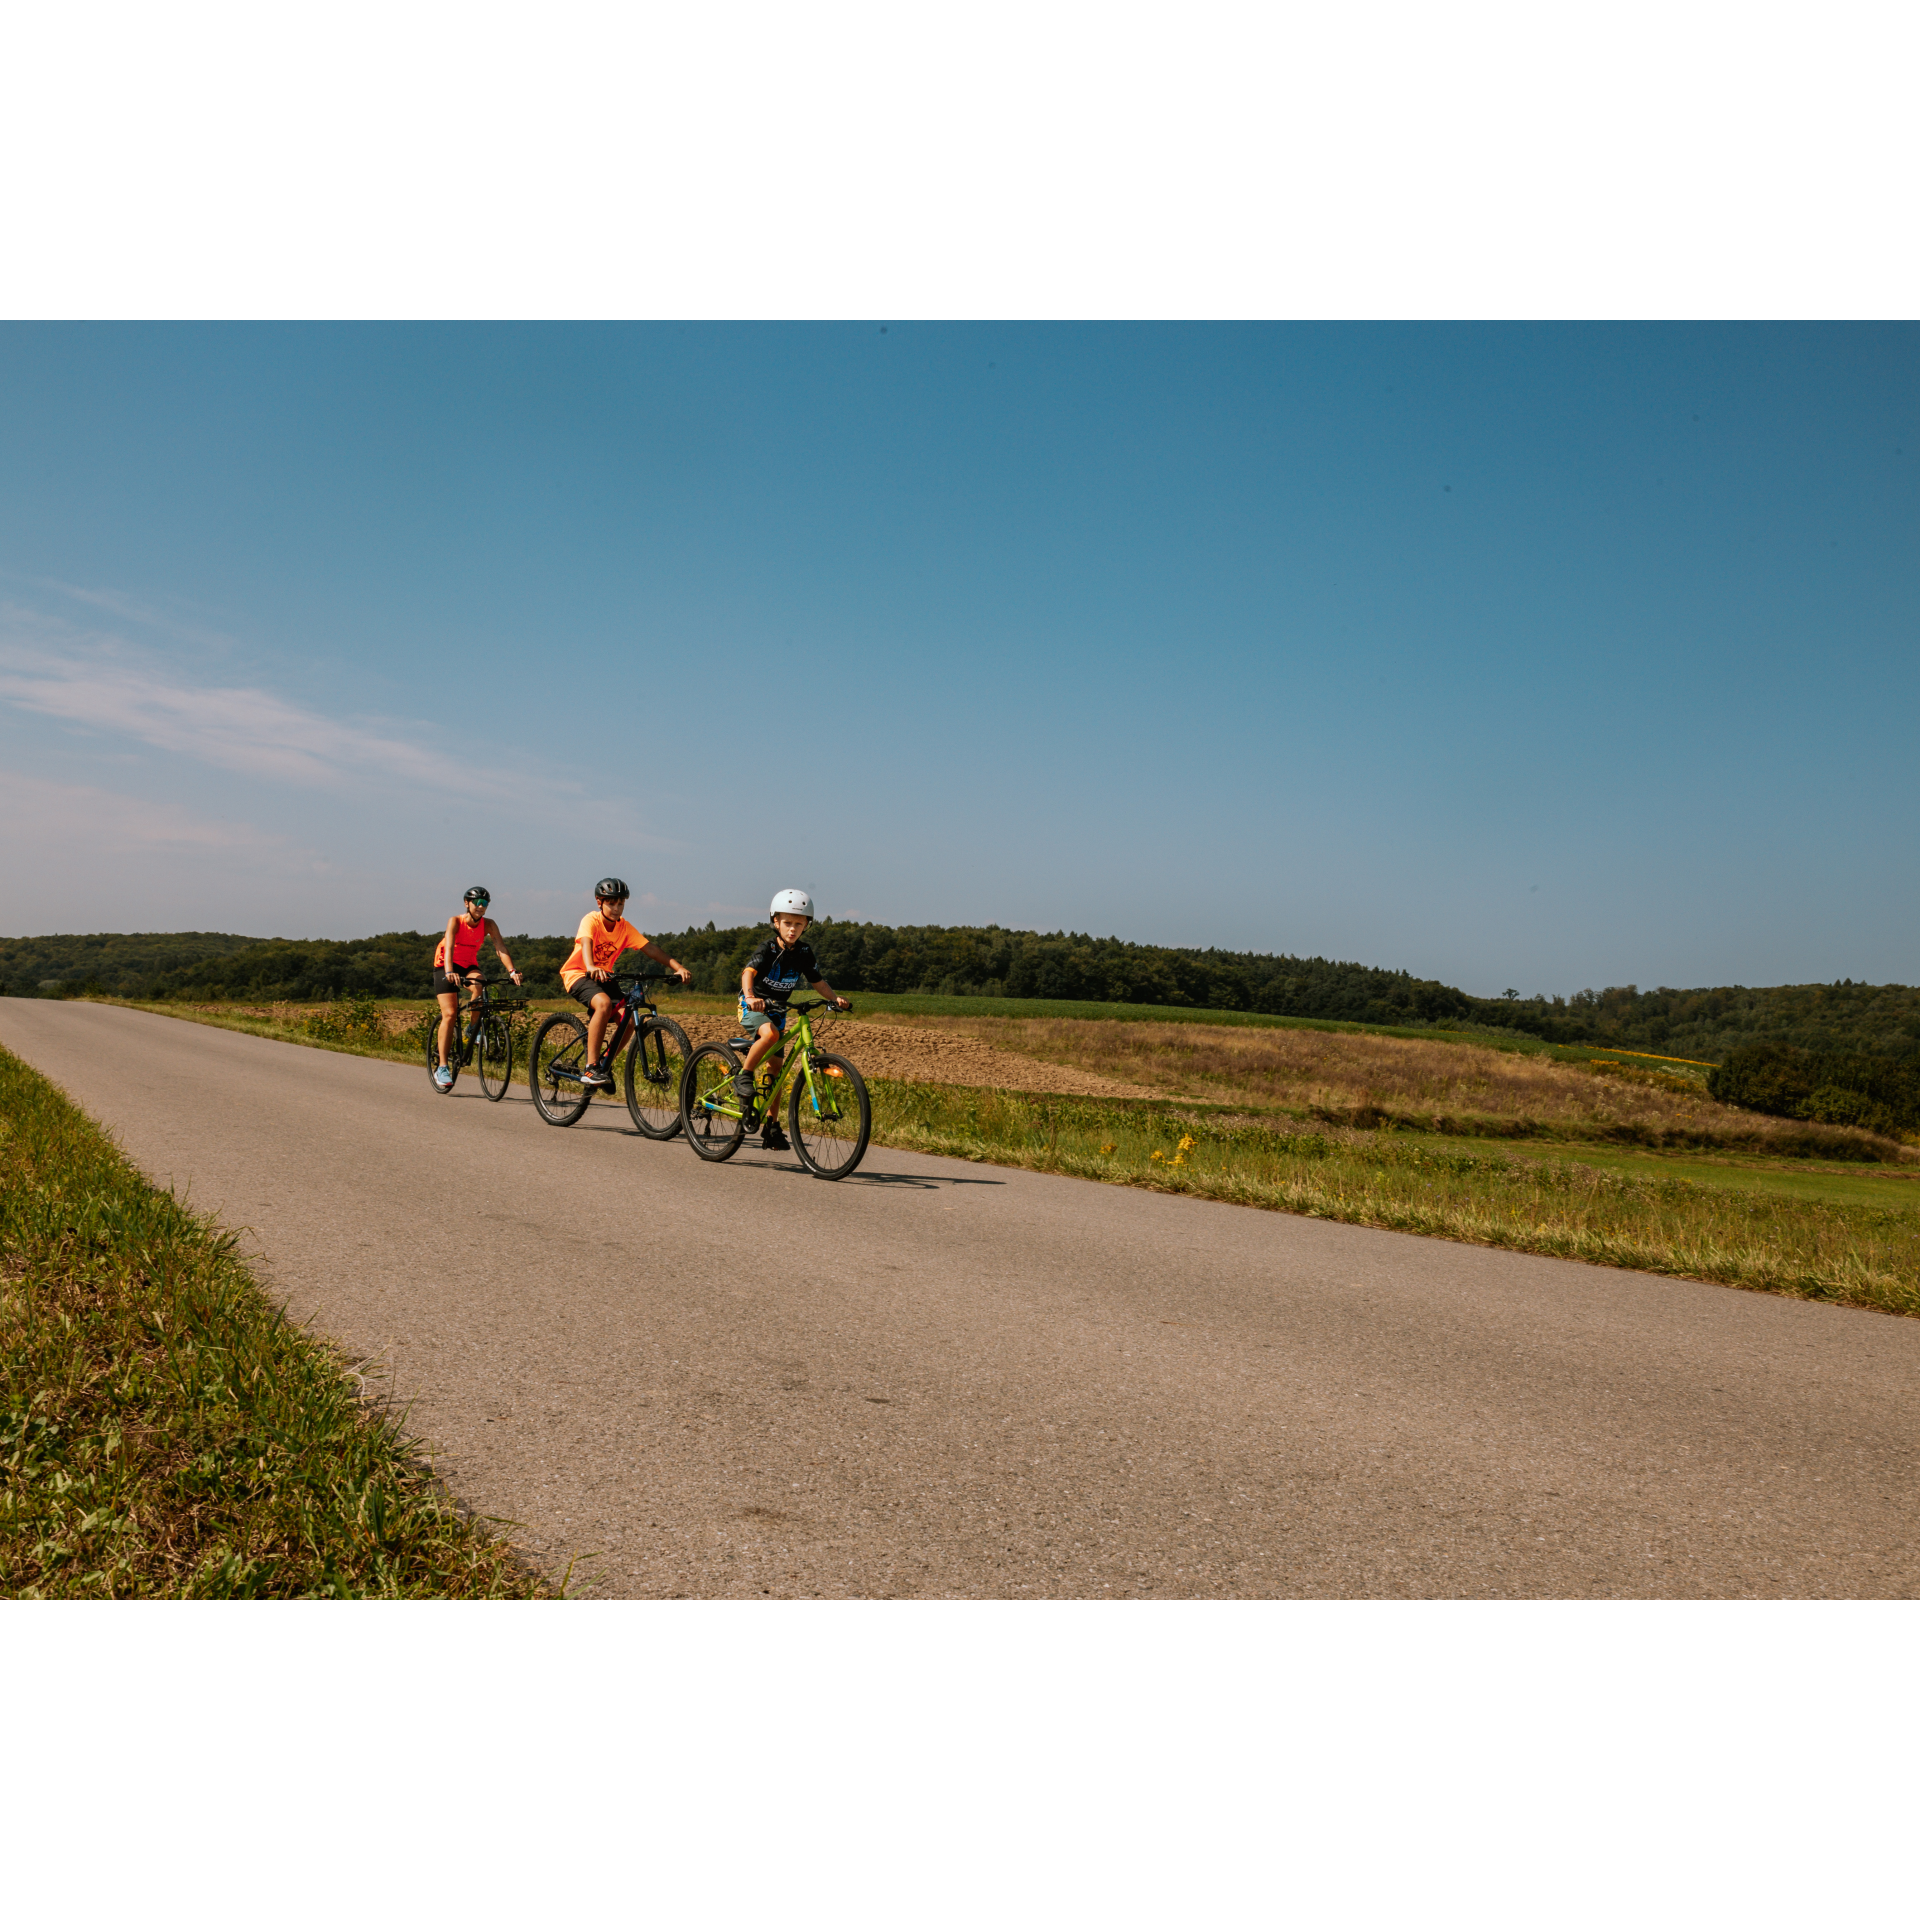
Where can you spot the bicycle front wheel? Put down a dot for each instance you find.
(433, 1057)
(656, 1065)
(558, 1053)
(495, 1051)
(710, 1113)
(831, 1119)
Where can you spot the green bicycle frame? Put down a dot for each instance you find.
(798, 1045)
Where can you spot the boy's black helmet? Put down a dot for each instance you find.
(479, 896)
(611, 889)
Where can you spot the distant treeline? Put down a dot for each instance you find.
(856, 956)
(1842, 1089)
(1704, 1024)
(1708, 1023)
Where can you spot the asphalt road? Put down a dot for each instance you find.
(942, 1379)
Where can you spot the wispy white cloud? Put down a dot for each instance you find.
(105, 684)
(54, 816)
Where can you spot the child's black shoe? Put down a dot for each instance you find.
(773, 1139)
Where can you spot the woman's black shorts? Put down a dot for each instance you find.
(445, 982)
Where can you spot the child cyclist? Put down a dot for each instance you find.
(457, 958)
(605, 934)
(776, 968)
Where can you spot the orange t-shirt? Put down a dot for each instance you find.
(598, 945)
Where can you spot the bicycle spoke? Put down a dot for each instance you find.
(710, 1112)
(494, 1051)
(656, 1064)
(553, 1070)
(830, 1117)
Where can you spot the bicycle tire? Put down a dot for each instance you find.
(433, 1058)
(560, 1041)
(656, 1068)
(710, 1115)
(830, 1144)
(494, 1052)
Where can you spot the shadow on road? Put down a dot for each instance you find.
(751, 1158)
(925, 1181)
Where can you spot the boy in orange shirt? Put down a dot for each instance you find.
(605, 934)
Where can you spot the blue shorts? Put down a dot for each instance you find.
(775, 1017)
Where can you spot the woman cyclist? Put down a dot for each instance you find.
(457, 958)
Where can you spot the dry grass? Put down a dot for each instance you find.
(1369, 1081)
(1773, 1243)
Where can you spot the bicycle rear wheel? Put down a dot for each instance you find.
(559, 1049)
(433, 1057)
(830, 1123)
(710, 1113)
(656, 1065)
(494, 1050)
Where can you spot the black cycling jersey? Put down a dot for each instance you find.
(778, 970)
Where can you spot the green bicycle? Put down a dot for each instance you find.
(828, 1113)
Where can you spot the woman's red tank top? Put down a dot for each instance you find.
(467, 942)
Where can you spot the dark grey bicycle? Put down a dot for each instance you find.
(656, 1051)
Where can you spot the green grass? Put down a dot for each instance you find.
(311, 1028)
(1836, 1182)
(164, 1431)
(1770, 1242)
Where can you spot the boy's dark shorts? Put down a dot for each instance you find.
(587, 986)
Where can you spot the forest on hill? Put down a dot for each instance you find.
(1701, 1023)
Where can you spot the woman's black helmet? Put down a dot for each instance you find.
(611, 889)
(479, 896)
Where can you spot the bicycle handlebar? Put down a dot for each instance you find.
(631, 983)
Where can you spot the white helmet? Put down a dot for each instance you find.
(790, 900)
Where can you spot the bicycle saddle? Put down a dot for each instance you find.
(740, 1043)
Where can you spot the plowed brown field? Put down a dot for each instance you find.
(879, 1048)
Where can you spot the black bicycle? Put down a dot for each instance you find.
(482, 1037)
(656, 1051)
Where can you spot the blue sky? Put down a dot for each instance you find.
(1536, 656)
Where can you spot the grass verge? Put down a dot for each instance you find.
(1896, 1189)
(164, 1432)
(1767, 1242)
